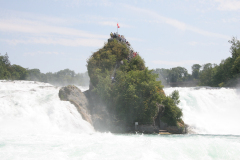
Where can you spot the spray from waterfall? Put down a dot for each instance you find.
(210, 110)
(33, 107)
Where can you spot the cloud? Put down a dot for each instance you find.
(77, 3)
(174, 23)
(194, 43)
(158, 18)
(57, 41)
(40, 31)
(179, 63)
(40, 52)
(48, 30)
(34, 27)
(228, 5)
(231, 20)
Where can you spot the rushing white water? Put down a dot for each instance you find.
(210, 110)
(34, 107)
(35, 124)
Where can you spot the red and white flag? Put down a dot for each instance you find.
(118, 25)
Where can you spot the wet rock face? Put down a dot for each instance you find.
(100, 115)
(76, 97)
(91, 108)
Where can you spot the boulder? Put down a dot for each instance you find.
(89, 105)
(74, 95)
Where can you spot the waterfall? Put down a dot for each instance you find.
(210, 110)
(35, 124)
(28, 107)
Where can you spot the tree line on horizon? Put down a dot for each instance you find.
(225, 74)
(60, 78)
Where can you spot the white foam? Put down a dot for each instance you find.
(35, 124)
(210, 110)
(34, 107)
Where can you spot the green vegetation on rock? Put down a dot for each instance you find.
(172, 114)
(128, 88)
(103, 62)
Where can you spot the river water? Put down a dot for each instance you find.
(35, 124)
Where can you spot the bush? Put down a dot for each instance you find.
(172, 114)
(136, 94)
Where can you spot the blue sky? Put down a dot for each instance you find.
(57, 34)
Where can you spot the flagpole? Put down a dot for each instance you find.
(117, 28)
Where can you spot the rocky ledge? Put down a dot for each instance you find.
(88, 105)
(93, 110)
(75, 96)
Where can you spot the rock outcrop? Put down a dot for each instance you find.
(91, 108)
(75, 96)
(122, 92)
(94, 111)
(100, 115)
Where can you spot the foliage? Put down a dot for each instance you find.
(196, 70)
(226, 73)
(63, 77)
(106, 59)
(176, 74)
(172, 113)
(236, 66)
(175, 96)
(11, 72)
(60, 78)
(136, 94)
(136, 63)
(235, 48)
(206, 75)
(103, 88)
(128, 88)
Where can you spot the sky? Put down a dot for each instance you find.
(53, 35)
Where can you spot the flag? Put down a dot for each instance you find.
(118, 25)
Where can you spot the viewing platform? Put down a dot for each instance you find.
(123, 40)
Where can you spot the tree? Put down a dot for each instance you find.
(178, 74)
(34, 75)
(196, 70)
(172, 113)
(235, 47)
(206, 75)
(136, 95)
(5, 66)
(19, 72)
(236, 66)
(175, 96)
